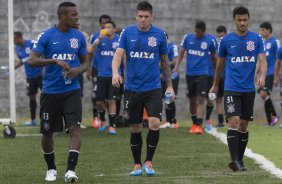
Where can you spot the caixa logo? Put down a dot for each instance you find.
(65, 57)
(145, 55)
(243, 59)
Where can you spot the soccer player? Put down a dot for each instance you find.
(200, 49)
(170, 109)
(220, 32)
(106, 93)
(277, 74)
(240, 50)
(33, 74)
(61, 49)
(210, 104)
(92, 72)
(145, 46)
(272, 45)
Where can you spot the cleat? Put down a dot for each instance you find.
(51, 175)
(166, 125)
(102, 126)
(280, 126)
(148, 168)
(199, 129)
(235, 166)
(112, 130)
(82, 126)
(137, 171)
(274, 121)
(193, 129)
(219, 125)
(243, 168)
(175, 125)
(70, 177)
(208, 125)
(30, 123)
(95, 123)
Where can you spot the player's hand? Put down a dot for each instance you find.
(213, 89)
(117, 80)
(175, 70)
(261, 82)
(171, 91)
(73, 72)
(63, 64)
(89, 73)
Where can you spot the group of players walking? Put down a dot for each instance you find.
(131, 64)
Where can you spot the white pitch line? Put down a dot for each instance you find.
(28, 135)
(260, 159)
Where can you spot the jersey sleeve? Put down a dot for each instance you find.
(122, 39)
(222, 48)
(163, 45)
(40, 43)
(212, 47)
(261, 46)
(93, 37)
(276, 45)
(175, 50)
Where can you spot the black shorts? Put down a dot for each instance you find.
(134, 102)
(105, 89)
(175, 83)
(268, 84)
(33, 85)
(55, 107)
(197, 85)
(239, 104)
(94, 83)
(220, 91)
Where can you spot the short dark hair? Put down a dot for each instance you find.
(240, 10)
(266, 25)
(18, 34)
(221, 29)
(111, 22)
(104, 17)
(144, 6)
(61, 8)
(200, 25)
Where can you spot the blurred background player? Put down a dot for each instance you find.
(33, 74)
(106, 93)
(210, 103)
(272, 45)
(92, 72)
(220, 32)
(200, 49)
(170, 109)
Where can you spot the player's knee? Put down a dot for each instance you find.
(234, 122)
(136, 128)
(154, 123)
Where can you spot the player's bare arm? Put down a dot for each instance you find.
(262, 68)
(218, 70)
(167, 73)
(73, 72)
(213, 58)
(117, 80)
(178, 59)
(36, 60)
(276, 72)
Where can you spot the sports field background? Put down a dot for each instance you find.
(176, 17)
(180, 158)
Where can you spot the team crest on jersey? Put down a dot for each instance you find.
(268, 45)
(250, 46)
(74, 43)
(230, 108)
(204, 45)
(152, 41)
(115, 44)
(27, 50)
